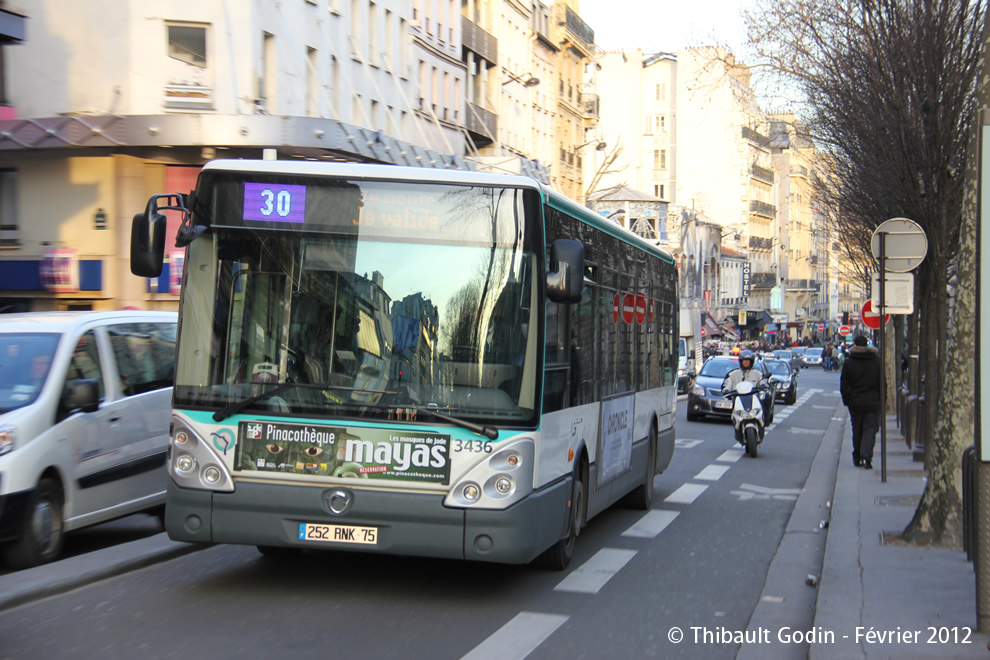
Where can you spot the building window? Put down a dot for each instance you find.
(659, 159)
(189, 83)
(9, 230)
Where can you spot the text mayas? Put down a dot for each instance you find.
(400, 455)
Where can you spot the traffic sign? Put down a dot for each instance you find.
(640, 308)
(628, 307)
(821, 328)
(871, 318)
(905, 244)
(845, 331)
(615, 309)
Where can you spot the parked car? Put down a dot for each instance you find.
(790, 357)
(812, 357)
(785, 379)
(705, 396)
(85, 407)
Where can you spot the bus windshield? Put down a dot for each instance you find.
(389, 301)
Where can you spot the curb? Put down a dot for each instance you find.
(788, 601)
(60, 577)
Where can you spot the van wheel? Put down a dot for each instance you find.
(41, 534)
(558, 556)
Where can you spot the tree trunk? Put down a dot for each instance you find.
(938, 518)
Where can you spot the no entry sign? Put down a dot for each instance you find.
(871, 318)
(845, 331)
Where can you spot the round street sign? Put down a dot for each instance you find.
(905, 244)
(640, 308)
(628, 307)
(821, 328)
(871, 318)
(845, 331)
(615, 309)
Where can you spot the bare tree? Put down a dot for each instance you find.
(890, 91)
(610, 165)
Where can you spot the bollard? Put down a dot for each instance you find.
(920, 425)
(969, 464)
(910, 418)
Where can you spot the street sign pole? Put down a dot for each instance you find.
(883, 360)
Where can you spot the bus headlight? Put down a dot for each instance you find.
(505, 477)
(194, 463)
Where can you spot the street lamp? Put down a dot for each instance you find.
(601, 146)
(526, 80)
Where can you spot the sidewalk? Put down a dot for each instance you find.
(873, 585)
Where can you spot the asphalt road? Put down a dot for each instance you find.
(697, 562)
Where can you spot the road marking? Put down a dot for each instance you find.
(795, 429)
(731, 455)
(712, 472)
(748, 492)
(687, 444)
(650, 525)
(591, 576)
(518, 638)
(686, 494)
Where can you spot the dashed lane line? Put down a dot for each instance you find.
(518, 638)
(592, 575)
(650, 525)
(731, 455)
(686, 494)
(712, 472)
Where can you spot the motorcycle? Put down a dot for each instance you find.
(747, 416)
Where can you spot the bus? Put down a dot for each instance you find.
(409, 361)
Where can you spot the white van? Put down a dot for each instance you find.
(85, 404)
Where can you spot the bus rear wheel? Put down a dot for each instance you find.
(558, 556)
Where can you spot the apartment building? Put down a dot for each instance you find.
(87, 134)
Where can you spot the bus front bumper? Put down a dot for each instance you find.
(407, 523)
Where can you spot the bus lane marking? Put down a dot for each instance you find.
(518, 638)
(712, 472)
(593, 574)
(650, 525)
(685, 443)
(731, 455)
(749, 492)
(686, 494)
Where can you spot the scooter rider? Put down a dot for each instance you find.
(745, 371)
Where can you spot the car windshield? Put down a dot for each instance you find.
(777, 367)
(25, 360)
(798, 351)
(718, 368)
(783, 355)
(813, 353)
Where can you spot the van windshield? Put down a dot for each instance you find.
(25, 362)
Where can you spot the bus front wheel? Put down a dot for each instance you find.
(558, 556)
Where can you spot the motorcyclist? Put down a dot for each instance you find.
(745, 371)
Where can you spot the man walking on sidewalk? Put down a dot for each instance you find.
(859, 384)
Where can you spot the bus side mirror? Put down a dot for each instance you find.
(147, 244)
(565, 284)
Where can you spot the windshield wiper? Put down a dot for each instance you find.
(233, 408)
(489, 432)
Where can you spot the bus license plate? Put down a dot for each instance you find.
(338, 533)
(723, 404)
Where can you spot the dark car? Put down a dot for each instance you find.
(705, 396)
(785, 378)
(789, 357)
(812, 357)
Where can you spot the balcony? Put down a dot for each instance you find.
(590, 103)
(482, 124)
(757, 138)
(763, 280)
(760, 243)
(479, 41)
(576, 33)
(799, 170)
(761, 173)
(762, 209)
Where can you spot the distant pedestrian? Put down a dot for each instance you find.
(827, 357)
(859, 385)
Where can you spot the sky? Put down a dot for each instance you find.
(664, 25)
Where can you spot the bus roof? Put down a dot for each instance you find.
(437, 175)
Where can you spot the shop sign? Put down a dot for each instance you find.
(59, 269)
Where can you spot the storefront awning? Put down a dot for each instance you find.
(730, 333)
(711, 328)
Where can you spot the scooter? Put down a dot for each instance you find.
(747, 416)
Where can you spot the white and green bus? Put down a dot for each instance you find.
(409, 361)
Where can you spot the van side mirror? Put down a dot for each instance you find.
(566, 282)
(85, 396)
(147, 244)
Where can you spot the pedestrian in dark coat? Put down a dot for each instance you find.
(860, 384)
